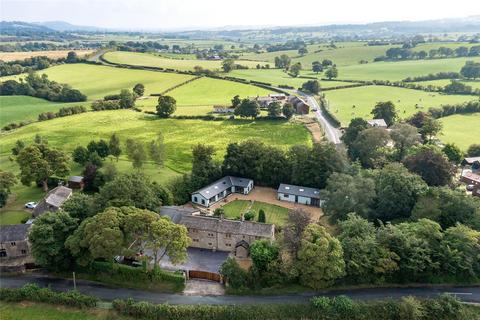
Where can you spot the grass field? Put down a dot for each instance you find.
(98, 81)
(444, 82)
(151, 60)
(407, 101)
(274, 214)
(395, 71)
(13, 217)
(463, 130)
(9, 56)
(20, 108)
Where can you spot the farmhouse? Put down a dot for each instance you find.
(14, 247)
(218, 233)
(470, 178)
(377, 123)
(301, 107)
(298, 194)
(53, 200)
(220, 189)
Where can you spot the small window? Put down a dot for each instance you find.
(209, 243)
(24, 251)
(228, 235)
(13, 243)
(3, 253)
(228, 244)
(195, 240)
(285, 195)
(203, 201)
(195, 199)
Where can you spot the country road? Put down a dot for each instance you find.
(466, 294)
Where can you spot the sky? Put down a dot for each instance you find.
(205, 14)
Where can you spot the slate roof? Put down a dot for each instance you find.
(299, 191)
(377, 123)
(228, 226)
(76, 179)
(470, 160)
(221, 185)
(14, 232)
(54, 199)
(471, 176)
(175, 212)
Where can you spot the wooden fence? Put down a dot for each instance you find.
(193, 274)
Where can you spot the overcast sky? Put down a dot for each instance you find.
(184, 14)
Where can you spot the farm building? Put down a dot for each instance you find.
(472, 162)
(220, 189)
(298, 194)
(14, 247)
(377, 123)
(223, 109)
(53, 200)
(301, 107)
(218, 233)
(470, 178)
(75, 182)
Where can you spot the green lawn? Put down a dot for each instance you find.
(151, 60)
(97, 81)
(20, 108)
(274, 214)
(463, 130)
(208, 91)
(13, 217)
(395, 71)
(407, 101)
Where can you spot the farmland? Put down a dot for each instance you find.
(444, 82)
(346, 104)
(150, 60)
(463, 130)
(10, 56)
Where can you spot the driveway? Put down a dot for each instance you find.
(268, 195)
(199, 260)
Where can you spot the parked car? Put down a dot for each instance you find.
(470, 187)
(30, 205)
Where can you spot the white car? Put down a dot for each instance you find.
(30, 205)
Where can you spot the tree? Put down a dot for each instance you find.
(370, 147)
(404, 136)
(7, 181)
(453, 153)
(109, 172)
(102, 148)
(274, 109)
(327, 63)
(38, 162)
(474, 150)
(47, 238)
(237, 278)
(397, 192)
(261, 216)
(295, 69)
(236, 101)
(204, 169)
(156, 150)
(166, 106)
(460, 247)
(317, 67)
(432, 165)
(471, 70)
(418, 119)
(79, 206)
(302, 51)
(228, 65)
(92, 178)
(288, 110)
(431, 127)
(19, 145)
(80, 155)
(283, 62)
(139, 89)
(331, 73)
(247, 108)
(265, 256)
(126, 99)
(297, 221)
(320, 258)
(345, 194)
(312, 86)
(351, 132)
(71, 57)
(94, 159)
(136, 153)
(114, 146)
(386, 111)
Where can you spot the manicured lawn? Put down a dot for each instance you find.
(407, 101)
(274, 214)
(13, 217)
(208, 91)
(395, 71)
(98, 81)
(151, 60)
(21, 108)
(463, 130)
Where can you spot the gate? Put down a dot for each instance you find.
(211, 276)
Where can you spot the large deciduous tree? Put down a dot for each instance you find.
(404, 136)
(166, 106)
(386, 111)
(7, 181)
(114, 146)
(432, 165)
(370, 147)
(247, 108)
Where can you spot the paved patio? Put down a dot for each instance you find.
(268, 195)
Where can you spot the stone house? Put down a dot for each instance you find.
(53, 200)
(221, 189)
(14, 247)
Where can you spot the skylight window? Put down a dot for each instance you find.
(301, 190)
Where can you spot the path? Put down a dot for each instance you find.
(467, 294)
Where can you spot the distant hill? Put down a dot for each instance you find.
(15, 27)
(65, 26)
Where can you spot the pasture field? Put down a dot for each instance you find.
(347, 104)
(395, 71)
(461, 129)
(208, 91)
(278, 77)
(444, 82)
(274, 214)
(150, 60)
(40, 311)
(20, 108)
(55, 54)
(97, 81)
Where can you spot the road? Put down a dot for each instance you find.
(332, 133)
(467, 294)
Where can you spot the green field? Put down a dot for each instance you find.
(463, 130)
(274, 214)
(150, 60)
(98, 81)
(395, 71)
(444, 82)
(20, 108)
(407, 101)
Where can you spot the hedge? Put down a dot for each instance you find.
(330, 116)
(32, 292)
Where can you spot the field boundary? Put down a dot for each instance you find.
(176, 86)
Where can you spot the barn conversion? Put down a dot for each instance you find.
(298, 194)
(220, 189)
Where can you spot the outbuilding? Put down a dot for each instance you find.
(221, 189)
(298, 194)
